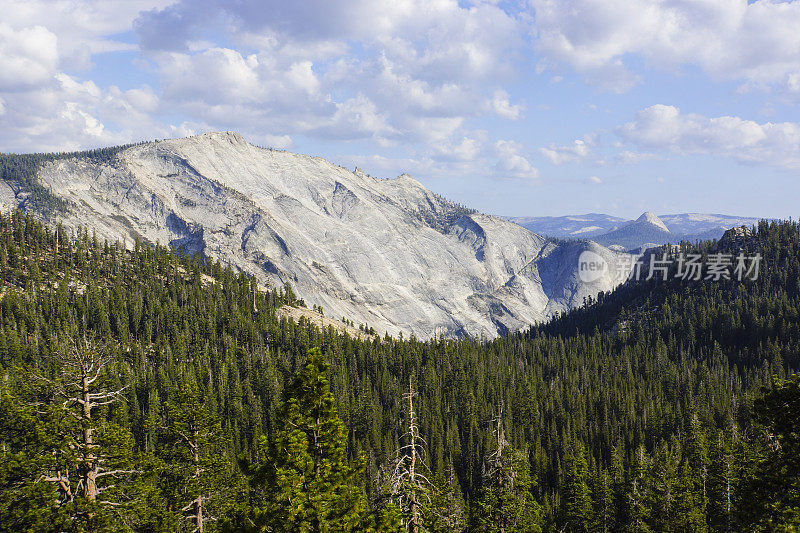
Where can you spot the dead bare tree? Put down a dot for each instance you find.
(498, 470)
(408, 486)
(195, 507)
(77, 392)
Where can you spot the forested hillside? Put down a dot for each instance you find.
(20, 171)
(146, 392)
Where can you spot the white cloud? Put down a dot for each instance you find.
(282, 142)
(421, 68)
(629, 157)
(410, 72)
(665, 128)
(411, 96)
(465, 149)
(43, 108)
(595, 179)
(504, 108)
(755, 42)
(68, 114)
(302, 76)
(471, 156)
(28, 57)
(83, 27)
(213, 76)
(558, 155)
(511, 162)
(355, 118)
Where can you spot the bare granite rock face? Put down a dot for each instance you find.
(387, 253)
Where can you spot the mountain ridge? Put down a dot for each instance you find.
(610, 230)
(388, 253)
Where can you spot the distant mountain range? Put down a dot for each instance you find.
(633, 235)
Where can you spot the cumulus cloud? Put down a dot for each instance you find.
(356, 118)
(754, 42)
(28, 57)
(444, 38)
(411, 71)
(629, 157)
(504, 108)
(511, 162)
(66, 113)
(465, 149)
(83, 27)
(43, 108)
(665, 128)
(558, 155)
(421, 68)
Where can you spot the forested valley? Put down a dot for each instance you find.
(146, 391)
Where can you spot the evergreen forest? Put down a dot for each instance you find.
(145, 391)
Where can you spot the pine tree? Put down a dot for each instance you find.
(575, 496)
(446, 512)
(603, 501)
(773, 499)
(638, 509)
(723, 483)
(696, 454)
(29, 439)
(193, 447)
(506, 504)
(89, 460)
(307, 483)
(689, 516)
(662, 488)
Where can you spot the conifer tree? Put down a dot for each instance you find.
(306, 481)
(723, 483)
(773, 502)
(662, 488)
(506, 504)
(193, 447)
(575, 496)
(689, 516)
(446, 513)
(602, 501)
(638, 509)
(89, 460)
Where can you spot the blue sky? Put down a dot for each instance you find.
(527, 108)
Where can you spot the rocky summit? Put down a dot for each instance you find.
(387, 253)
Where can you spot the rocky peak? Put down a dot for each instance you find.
(229, 136)
(653, 219)
(387, 253)
(735, 235)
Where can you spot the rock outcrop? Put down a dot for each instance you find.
(386, 253)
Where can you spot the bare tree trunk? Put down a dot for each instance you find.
(728, 490)
(81, 392)
(414, 504)
(90, 461)
(409, 487)
(198, 502)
